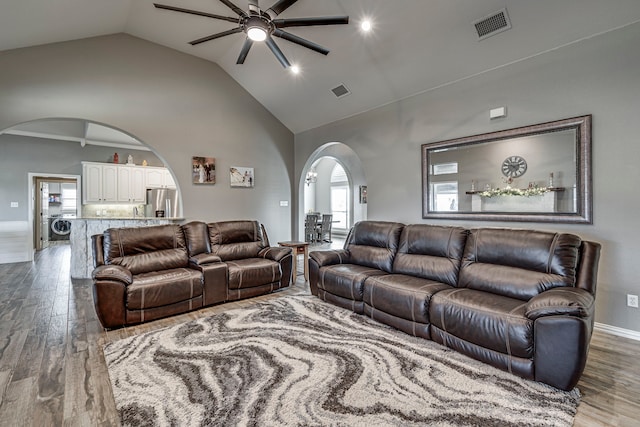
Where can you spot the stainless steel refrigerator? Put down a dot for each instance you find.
(161, 202)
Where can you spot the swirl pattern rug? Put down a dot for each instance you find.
(297, 361)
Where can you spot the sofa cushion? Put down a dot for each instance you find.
(251, 272)
(196, 234)
(346, 280)
(232, 240)
(402, 296)
(431, 252)
(161, 288)
(374, 244)
(488, 320)
(146, 249)
(518, 263)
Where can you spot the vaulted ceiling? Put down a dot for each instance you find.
(415, 45)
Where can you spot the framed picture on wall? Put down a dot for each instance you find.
(203, 170)
(241, 177)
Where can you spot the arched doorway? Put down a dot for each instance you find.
(331, 180)
(48, 154)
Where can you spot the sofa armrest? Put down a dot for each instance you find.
(275, 253)
(109, 294)
(204, 258)
(112, 273)
(331, 257)
(561, 301)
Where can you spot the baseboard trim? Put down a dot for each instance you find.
(620, 332)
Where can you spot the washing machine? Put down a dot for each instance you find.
(60, 228)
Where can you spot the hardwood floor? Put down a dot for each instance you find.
(52, 370)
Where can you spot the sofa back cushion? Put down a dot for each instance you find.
(196, 234)
(431, 252)
(232, 240)
(146, 249)
(519, 263)
(374, 244)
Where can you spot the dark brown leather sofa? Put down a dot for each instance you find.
(147, 273)
(520, 300)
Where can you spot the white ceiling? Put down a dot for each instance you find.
(416, 45)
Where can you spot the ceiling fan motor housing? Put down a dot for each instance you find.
(257, 27)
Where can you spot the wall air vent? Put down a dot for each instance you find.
(493, 24)
(340, 91)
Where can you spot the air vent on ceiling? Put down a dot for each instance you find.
(340, 91)
(493, 24)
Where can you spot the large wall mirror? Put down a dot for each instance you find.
(538, 173)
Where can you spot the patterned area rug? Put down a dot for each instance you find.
(297, 361)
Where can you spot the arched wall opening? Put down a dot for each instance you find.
(352, 165)
(52, 149)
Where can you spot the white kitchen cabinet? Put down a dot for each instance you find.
(120, 184)
(131, 187)
(99, 183)
(158, 178)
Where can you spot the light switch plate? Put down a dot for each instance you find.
(284, 203)
(498, 112)
(14, 204)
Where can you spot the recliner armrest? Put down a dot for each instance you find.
(331, 257)
(275, 253)
(204, 258)
(561, 301)
(112, 272)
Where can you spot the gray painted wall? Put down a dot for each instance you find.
(179, 105)
(597, 76)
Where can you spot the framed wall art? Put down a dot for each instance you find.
(241, 177)
(203, 170)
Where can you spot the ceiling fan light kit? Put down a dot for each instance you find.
(261, 26)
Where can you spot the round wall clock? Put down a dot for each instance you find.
(514, 166)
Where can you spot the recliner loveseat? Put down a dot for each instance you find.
(520, 300)
(147, 273)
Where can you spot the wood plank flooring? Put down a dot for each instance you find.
(53, 373)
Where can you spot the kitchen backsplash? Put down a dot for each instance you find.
(112, 211)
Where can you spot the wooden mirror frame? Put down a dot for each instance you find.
(583, 185)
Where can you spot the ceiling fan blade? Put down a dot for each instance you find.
(196, 12)
(233, 7)
(299, 40)
(277, 52)
(279, 7)
(308, 22)
(216, 36)
(245, 51)
(254, 8)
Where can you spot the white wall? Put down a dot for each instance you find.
(179, 105)
(598, 76)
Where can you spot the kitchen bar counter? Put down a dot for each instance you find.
(83, 228)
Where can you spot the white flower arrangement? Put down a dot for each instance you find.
(508, 191)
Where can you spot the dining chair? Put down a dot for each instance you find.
(311, 228)
(324, 234)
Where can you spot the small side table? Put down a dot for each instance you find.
(299, 248)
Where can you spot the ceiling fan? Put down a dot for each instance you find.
(261, 25)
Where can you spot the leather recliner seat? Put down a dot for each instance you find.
(147, 273)
(520, 300)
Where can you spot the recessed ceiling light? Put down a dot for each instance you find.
(365, 25)
(295, 69)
